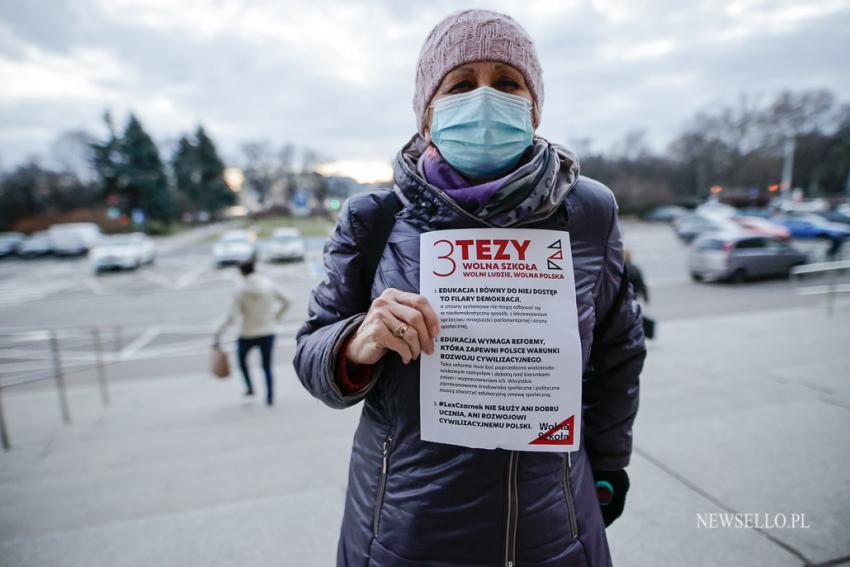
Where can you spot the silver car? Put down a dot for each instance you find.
(122, 251)
(690, 227)
(740, 257)
(235, 246)
(285, 244)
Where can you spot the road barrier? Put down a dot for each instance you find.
(831, 288)
(57, 372)
(29, 355)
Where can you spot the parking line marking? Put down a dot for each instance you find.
(190, 277)
(130, 350)
(192, 347)
(156, 279)
(95, 286)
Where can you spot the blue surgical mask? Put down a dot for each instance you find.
(482, 133)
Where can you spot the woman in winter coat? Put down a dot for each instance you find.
(475, 163)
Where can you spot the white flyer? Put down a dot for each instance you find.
(506, 368)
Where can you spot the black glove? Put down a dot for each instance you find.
(611, 488)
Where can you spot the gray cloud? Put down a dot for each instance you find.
(339, 76)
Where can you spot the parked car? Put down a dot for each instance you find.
(285, 244)
(813, 226)
(691, 226)
(802, 207)
(740, 257)
(761, 212)
(235, 246)
(716, 209)
(9, 242)
(665, 214)
(74, 238)
(122, 251)
(762, 227)
(835, 215)
(36, 244)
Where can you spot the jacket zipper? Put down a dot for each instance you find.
(512, 511)
(382, 485)
(568, 492)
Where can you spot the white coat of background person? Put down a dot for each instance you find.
(259, 305)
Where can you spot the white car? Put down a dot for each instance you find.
(716, 210)
(73, 238)
(122, 251)
(36, 244)
(9, 242)
(235, 246)
(285, 244)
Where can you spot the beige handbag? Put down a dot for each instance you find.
(218, 364)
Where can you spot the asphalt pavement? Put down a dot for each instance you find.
(744, 409)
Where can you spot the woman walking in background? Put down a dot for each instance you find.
(474, 163)
(259, 305)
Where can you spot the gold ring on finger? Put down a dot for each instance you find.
(400, 330)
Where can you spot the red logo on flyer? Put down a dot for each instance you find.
(560, 434)
(557, 255)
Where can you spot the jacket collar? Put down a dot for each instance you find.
(429, 203)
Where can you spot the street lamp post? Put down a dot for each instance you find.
(847, 183)
(787, 168)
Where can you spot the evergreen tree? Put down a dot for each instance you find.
(199, 174)
(187, 175)
(107, 161)
(215, 195)
(142, 176)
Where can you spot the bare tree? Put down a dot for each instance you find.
(632, 146)
(72, 153)
(792, 114)
(258, 168)
(309, 160)
(286, 170)
(286, 158)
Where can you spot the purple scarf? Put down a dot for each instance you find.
(532, 190)
(472, 198)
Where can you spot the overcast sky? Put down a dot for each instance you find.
(338, 76)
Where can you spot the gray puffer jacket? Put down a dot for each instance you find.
(412, 503)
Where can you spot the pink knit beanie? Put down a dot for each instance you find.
(474, 35)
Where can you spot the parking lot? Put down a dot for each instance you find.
(159, 311)
(67, 286)
(744, 409)
(161, 316)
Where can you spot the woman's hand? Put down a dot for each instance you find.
(399, 321)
